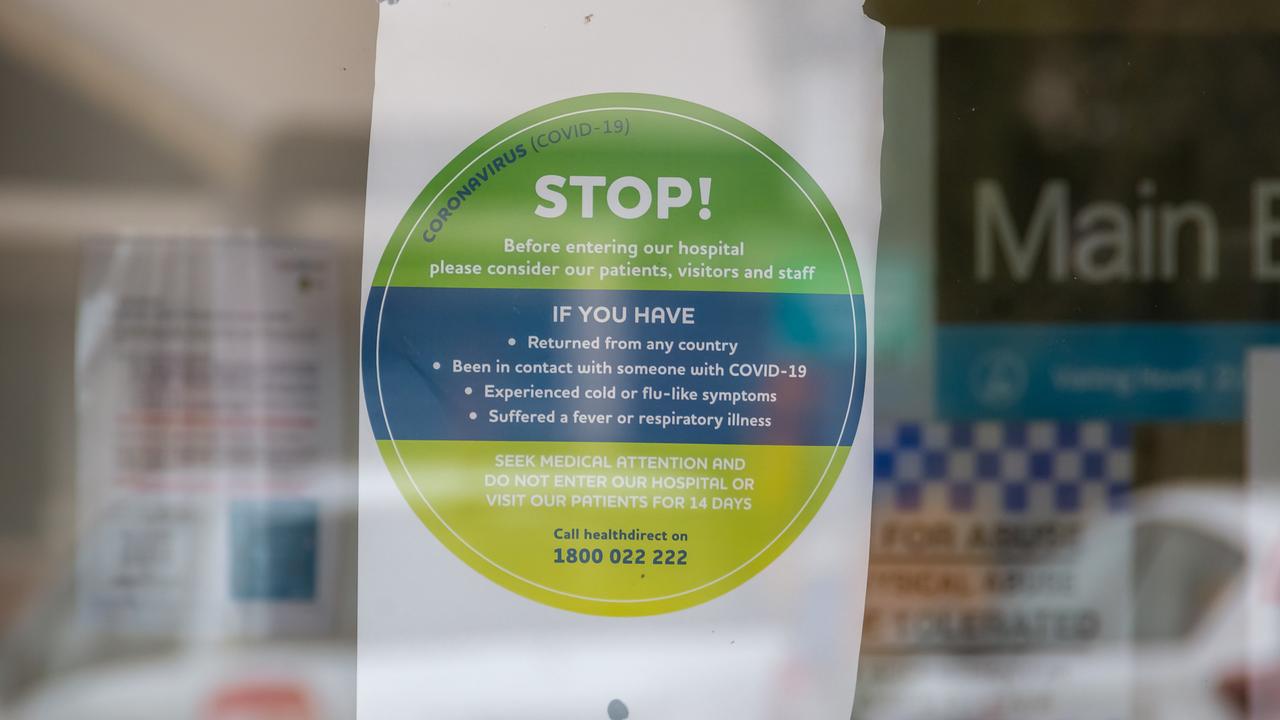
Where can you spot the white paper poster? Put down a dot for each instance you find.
(615, 360)
(209, 394)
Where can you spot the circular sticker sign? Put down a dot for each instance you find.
(614, 354)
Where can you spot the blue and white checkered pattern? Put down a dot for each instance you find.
(1001, 467)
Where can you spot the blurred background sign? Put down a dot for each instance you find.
(999, 564)
(1108, 213)
(1079, 228)
(209, 394)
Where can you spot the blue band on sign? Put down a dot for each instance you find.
(759, 334)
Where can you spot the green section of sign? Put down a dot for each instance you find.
(728, 189)
(525, 514)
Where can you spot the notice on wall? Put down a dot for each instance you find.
(1000, 554)
(208, 388)
(614, 361)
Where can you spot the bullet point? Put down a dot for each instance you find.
(467, 391)
(472, 415)
(511, 342)
(435, 365)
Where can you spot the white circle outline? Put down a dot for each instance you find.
(378, 359)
